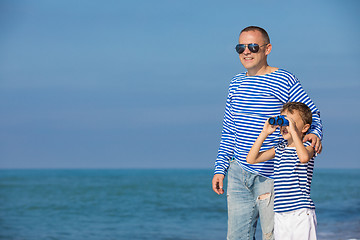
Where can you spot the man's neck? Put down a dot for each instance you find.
(266, 69)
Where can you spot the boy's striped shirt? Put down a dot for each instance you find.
(292, 179)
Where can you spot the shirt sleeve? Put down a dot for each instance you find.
(297, 94)
(227, 143)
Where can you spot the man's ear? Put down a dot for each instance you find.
(268, 49)
(305, 128)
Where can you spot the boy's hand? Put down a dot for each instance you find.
(268, 128)
(292, 127)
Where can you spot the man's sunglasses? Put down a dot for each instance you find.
(253, 47)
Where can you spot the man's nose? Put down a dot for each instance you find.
(246, 51)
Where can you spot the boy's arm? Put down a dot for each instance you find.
(304, 153)
(254, 155)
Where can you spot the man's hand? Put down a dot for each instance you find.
(218, 183)
(315, 141)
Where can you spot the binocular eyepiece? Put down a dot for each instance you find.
(279, 120)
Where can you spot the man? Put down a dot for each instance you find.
(253, 97)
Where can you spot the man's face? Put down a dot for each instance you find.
(250, 60)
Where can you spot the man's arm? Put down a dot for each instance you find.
(227, 143)
(226, 148)
(297, 94)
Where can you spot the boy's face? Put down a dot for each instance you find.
(300, 126)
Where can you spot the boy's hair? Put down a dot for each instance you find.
(255, 28)
(304, 110)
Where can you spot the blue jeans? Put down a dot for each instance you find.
(244, 205)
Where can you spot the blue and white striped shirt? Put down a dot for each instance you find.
(251, 101)
(292, 179)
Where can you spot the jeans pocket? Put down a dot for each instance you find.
(232, 160)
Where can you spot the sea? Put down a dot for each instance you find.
(156, 204)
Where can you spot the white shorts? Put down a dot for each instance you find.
(295, 225)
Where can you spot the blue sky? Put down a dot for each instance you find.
(129, 84)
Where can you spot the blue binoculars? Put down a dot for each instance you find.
(279, 120)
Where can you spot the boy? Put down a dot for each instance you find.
(293, 168)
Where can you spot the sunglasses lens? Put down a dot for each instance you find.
(240, 48)
(254, 47)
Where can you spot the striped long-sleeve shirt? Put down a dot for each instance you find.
(251, 101)
(292, 179)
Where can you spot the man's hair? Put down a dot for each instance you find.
(303, 109)
(261, 30)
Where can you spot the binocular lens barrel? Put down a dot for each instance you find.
(283, 121)
(272, 121)
(279, 120)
